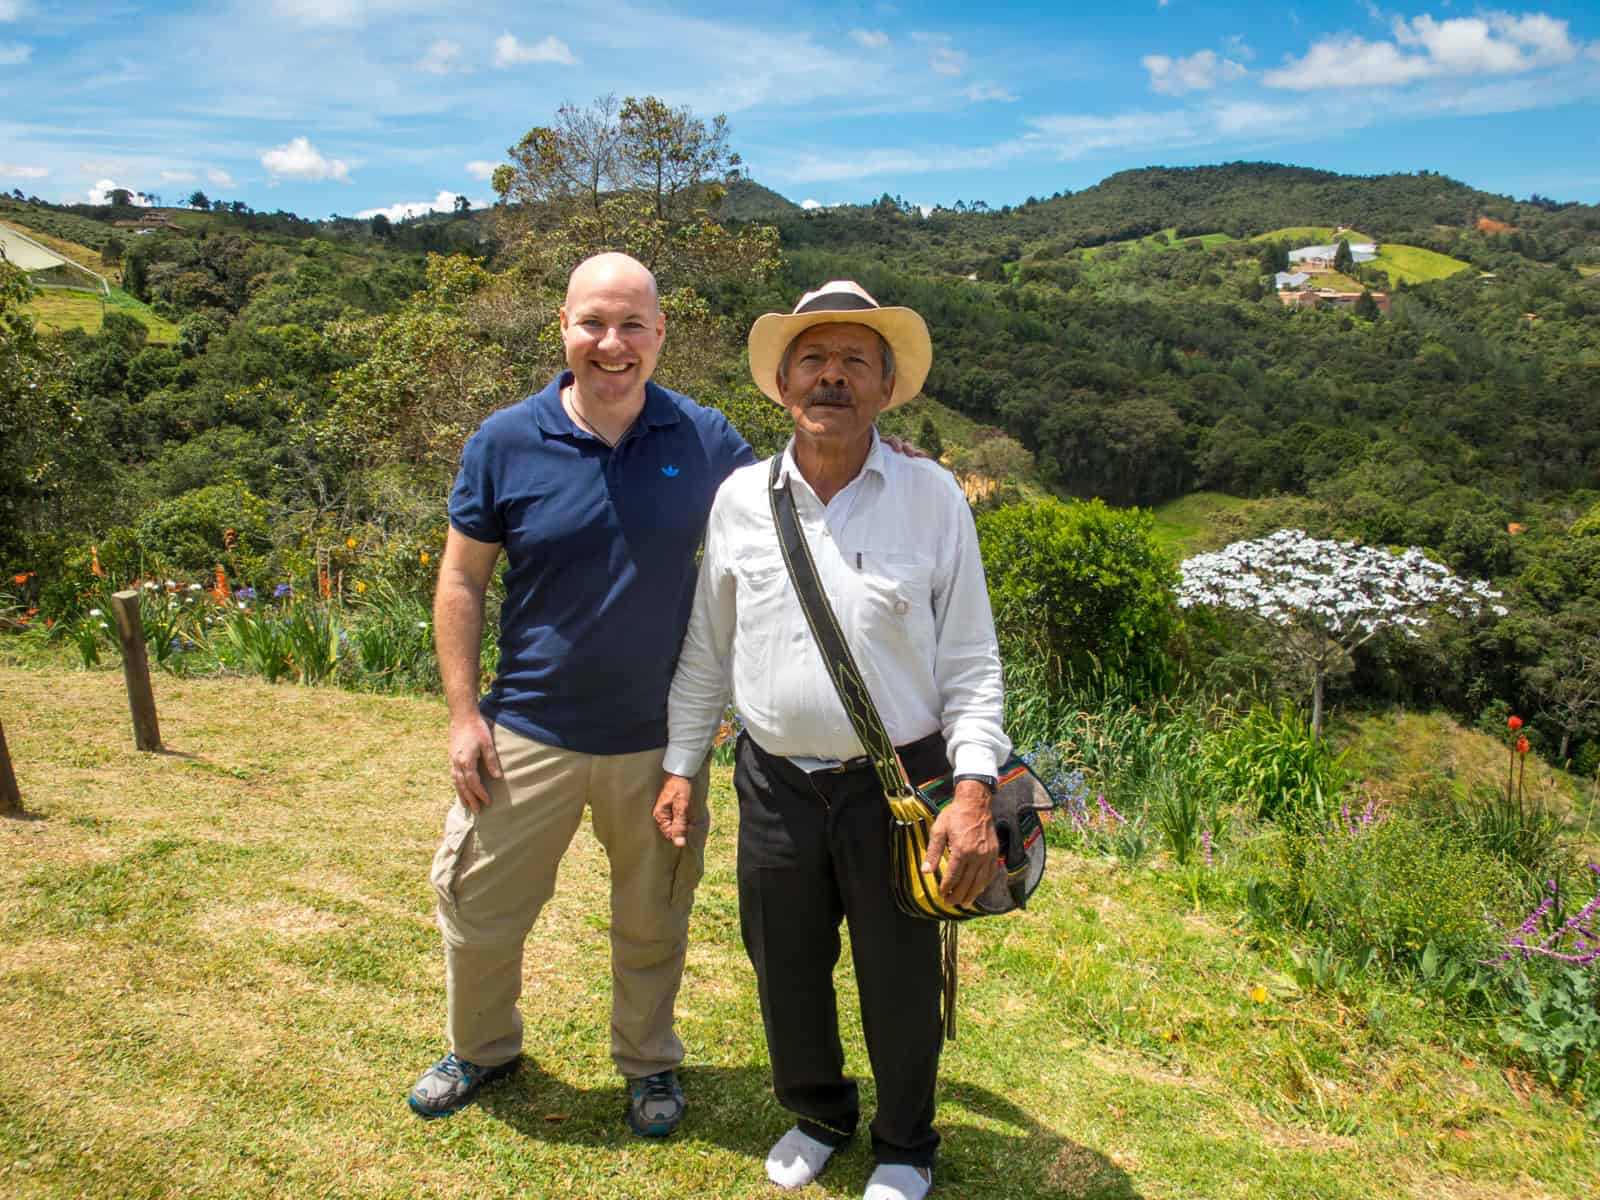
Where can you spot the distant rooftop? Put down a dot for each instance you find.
(1360, 251)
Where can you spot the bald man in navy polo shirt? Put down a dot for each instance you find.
(597, 490)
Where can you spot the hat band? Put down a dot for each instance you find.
(834, 302)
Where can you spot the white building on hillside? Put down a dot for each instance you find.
(1320, 258)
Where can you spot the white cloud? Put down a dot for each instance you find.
(338, 14)
(100, 193)
(980, 92)
(509, 52)
(14, 54)
(443, 202)
(220, 177)
(1198, 73)
(943, 58)
(18, 171)
(443, 57)
(10, 10)
(299, 159)
(810, 204)
(1496, 44)
(1237, 47)
(480, 168)
(177, 176)
(870, 39)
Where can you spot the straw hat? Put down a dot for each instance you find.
(843, 301)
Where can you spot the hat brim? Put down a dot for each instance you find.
(903, 328)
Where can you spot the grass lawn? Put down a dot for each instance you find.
(219, 973)
(1310, 235)
(1152, 242)
(1185, 526)
(1415, 264)
(56, 309)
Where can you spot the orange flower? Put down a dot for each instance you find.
(220, 589)
(229, 537)
(94, 561)
(1522, 745)
(1513, 723)
(22, 577)
(350, 542)
(424, 557)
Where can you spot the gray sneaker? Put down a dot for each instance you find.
(451, 1083)
(655, 1104)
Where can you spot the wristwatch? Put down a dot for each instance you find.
(988, 781)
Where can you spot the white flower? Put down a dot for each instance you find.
(94, 612)
(195, 587)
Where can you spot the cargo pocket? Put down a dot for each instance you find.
(453, 855)
(691, 864)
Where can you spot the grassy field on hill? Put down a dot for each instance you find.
(222, 966)
(1310, 235)
(56, 309)
(1413, 264)
(1155, 242)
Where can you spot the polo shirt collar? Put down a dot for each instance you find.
(876, 460)
(659, 410)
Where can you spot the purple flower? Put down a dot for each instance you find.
(245, 593)
(282, 590)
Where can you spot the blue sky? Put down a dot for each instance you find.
(354, 106)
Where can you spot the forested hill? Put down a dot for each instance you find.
(1127, 339)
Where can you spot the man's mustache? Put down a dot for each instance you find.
(829, 395)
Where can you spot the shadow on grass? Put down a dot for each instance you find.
(990, 1144)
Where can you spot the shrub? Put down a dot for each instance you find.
(1080, 585)
(191, 533)
(1269, 759)
(1396, 885)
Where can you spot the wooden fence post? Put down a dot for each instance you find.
(136, 670)
(10, 795)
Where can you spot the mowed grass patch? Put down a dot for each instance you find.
(220, 966)
(1415, 264)
(56, 309)
(1188, 525)
(1311, 235)
(1164, 239)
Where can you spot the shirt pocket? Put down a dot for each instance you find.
(894, 602)
(762, 582)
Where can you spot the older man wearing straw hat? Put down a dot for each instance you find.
(896, 554)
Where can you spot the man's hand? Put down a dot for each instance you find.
(472, 755)
(902, 447)
(965, 830)
(671, 812)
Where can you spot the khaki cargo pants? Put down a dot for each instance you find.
(496, 868)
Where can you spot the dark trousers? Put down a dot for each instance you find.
(814, 849)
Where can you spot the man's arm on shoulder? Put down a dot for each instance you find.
(464, 573)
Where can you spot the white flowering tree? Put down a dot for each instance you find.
(1322, 599)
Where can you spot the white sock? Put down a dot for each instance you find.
(797, 1159)
(898, 1181)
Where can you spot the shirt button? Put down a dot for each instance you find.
(901, 608)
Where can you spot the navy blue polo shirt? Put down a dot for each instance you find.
(600, 560)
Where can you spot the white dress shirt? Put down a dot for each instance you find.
(897, 555)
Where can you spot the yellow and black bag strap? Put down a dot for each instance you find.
(841, 664)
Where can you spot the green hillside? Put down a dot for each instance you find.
(57, 308)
